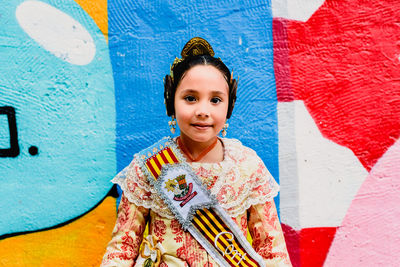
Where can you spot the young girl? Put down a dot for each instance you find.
(200, 94)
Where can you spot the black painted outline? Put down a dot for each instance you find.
(13, 151)
(112, 193)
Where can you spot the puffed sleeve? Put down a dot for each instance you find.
(133, 212)
(266, 231)
(127, 235)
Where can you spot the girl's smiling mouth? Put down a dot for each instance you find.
(201, 126)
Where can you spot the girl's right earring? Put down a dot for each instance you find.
(172, 124)
(224, 129)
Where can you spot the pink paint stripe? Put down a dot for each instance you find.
(284, 90)
(370, 232)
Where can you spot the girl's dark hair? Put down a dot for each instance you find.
(196, 52)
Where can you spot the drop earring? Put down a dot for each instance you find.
(224, 129)
(172, 124)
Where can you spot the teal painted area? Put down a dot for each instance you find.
(65, 110)
(4, 132)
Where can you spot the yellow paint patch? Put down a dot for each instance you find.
(80, 243)
(97, 9)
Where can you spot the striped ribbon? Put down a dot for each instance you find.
(212, 227)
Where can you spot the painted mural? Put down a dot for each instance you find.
(318, 99)
(57, 132)
(337, 76)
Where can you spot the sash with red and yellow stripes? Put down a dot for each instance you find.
(194, 207)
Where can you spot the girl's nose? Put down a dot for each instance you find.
(202, 110)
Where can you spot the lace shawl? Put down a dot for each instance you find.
(239, 181)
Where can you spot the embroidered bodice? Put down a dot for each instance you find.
(241, 183)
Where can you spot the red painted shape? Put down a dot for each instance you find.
(315, 244)
(281, 60)
(292, 239)
(344, 65)
(308, 247)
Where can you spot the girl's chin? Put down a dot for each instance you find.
(200, 138)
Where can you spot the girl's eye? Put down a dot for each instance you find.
(215, 100)
(190, 98)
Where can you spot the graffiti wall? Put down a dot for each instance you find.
(338, 89)
(57, 133)
(81, 90)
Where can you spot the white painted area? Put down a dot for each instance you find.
(318, 177)
(288, 181)
(279, 8)
(56, 32)
(300, 10)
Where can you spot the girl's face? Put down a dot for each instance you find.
(201, 103)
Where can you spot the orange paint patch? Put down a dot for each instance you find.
(97, 9)
(80, 243)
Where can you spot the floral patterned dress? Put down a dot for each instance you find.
(244, 188)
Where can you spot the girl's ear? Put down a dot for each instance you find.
(169, 95)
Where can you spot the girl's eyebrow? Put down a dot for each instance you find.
(218, 92)
(192, 91)
(187, 91)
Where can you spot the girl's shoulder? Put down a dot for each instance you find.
(240, 180)
(237, 152)
(138, 190)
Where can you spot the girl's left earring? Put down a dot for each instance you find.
(224, 129)
(172, 124)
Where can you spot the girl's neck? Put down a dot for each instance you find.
(210, 151)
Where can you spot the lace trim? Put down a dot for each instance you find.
(238, 182)
(241, 167)
(138, 191)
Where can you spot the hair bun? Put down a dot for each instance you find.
(197, 46)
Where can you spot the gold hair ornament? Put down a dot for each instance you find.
(196, 46)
